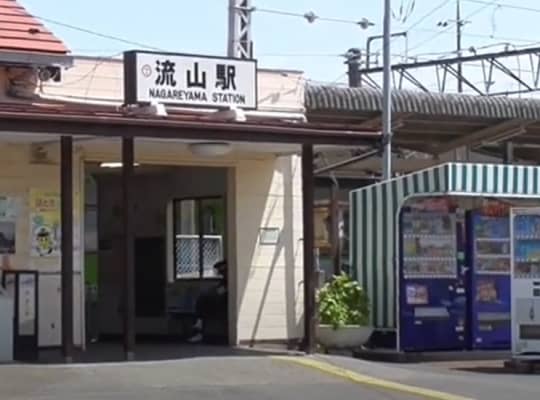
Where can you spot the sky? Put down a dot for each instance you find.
(289, 42)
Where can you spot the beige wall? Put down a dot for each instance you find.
(102, 79)
(269, 276)
(18, 175)
(264, 191)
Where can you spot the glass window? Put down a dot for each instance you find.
(199, 236)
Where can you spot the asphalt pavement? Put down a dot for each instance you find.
(223, 378)
(261, 377)
(481, 380)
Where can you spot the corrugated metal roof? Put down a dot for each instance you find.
(349, 100)
(20, 31)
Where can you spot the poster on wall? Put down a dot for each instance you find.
(45, 223)
(8, 217)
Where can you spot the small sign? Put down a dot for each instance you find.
(27, 304)
(269, 236)
(189, 80)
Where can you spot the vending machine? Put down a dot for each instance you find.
(489, 280)
(432, 294)
(525, 297)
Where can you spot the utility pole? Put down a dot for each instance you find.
(387, 95)
(239, 43)
(459, 25)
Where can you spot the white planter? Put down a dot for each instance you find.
(345, 337)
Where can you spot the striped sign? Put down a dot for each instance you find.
(375, 210)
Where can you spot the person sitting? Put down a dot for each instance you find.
(212, 304)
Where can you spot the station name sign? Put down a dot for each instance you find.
(189, 80)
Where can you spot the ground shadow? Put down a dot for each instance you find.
(151, 352)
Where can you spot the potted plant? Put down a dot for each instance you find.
(343, 313)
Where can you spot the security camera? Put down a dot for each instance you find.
(47, 74)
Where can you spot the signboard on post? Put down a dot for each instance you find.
(189, 80)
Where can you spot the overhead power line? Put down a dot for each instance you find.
(97, 34)
(422, 19)
(504, 5)
(311, 17)
(478, 10)
(428, 14)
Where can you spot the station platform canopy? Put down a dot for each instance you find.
(435, 123)
(375, 214)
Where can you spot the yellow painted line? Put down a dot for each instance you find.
(361, 379)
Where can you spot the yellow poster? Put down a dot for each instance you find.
(45, 223)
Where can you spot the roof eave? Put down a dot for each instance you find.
(35, 59)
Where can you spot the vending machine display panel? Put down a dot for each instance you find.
(525, 228)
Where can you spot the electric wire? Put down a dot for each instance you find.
(310, 16)
(505, 5)
(478, 10)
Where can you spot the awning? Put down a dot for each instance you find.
(375, 210)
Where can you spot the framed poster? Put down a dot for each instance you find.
(8, 228)
(45, 223)
(322, 227)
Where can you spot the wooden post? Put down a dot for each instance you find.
(128, 248)
(66, 205)
(309, 248)
(335, 240)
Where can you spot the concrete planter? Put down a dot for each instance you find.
(349, 336)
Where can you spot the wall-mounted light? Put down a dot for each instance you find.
(210, 149)
(114, 165)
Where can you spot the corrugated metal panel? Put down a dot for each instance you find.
(374, 232)
(346, 100)
(375, 210)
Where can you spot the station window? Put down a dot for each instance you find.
(199, 232)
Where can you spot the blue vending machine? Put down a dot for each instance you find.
(432, 294)
(489, 259)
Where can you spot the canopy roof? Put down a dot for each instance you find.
(435, 123)
(375, 210)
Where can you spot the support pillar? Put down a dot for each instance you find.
(128, 248)
(508, 157)
(309, 248)
(335, 225)
(66, 205)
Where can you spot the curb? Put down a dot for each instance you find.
(361, 379)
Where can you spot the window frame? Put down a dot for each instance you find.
(200, 233)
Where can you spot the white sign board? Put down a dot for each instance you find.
(189, 80)
(27, 304)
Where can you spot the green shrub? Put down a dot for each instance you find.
(342, 301)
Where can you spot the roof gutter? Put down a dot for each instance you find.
(276, 115)
(80, 124)
(36, 59)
